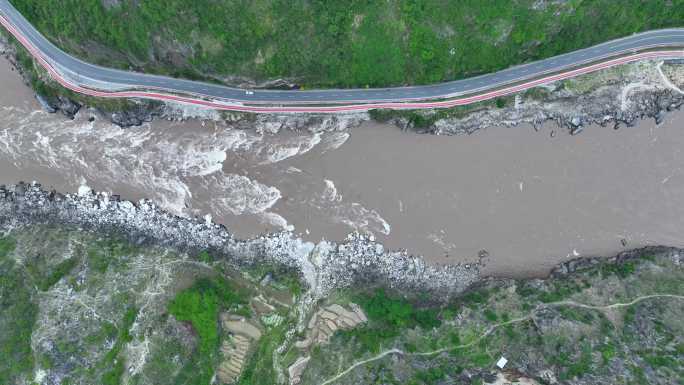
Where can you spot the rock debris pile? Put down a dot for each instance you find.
(323, 267)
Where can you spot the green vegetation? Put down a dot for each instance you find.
(107, 332)
(559, 290)
(205, 257)
(579, 367)
(7, 245)
(109, 321)
(623, 270)
(607, 352)
(114, 301)
(490, 315)
(39, 81)
(106, 251)
(329, 43)
(57, 273)
(424, 120)
(577, 344)
(18, 313)
(475, 297)
(388, 315)
(281, 278)
(260, 367)
(113, 363)
(397, 312)
(200, 305)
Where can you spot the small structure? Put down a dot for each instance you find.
(502, 362)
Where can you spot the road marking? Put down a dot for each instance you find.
(45, 60)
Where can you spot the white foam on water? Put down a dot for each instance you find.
(333, 141)
(330, 192)
(198, 171)
(276, 220)
(202, 163)
(237, 140)
(287, 148)
(237, 195)
(84, 190)
(168, 166)
(279, 153)
(352, 214)
(440, 238)
(360, 218)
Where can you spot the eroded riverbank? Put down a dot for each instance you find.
(524, 199)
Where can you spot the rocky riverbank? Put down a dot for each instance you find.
(613, 97)
(324, 266)
(568, 268)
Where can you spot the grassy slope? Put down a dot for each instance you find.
(17, 316)
(328, 43)
(106, 276)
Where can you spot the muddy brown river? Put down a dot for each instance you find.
(528, 199)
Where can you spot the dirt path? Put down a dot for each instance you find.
(492, 328)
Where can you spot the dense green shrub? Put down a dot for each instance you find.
(112, 363)
(62, 269)
(388, 315)
(621, 269)
(7, 245)
(107, 251)
(397, 312)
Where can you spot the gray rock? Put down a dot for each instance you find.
(134, 116)
(52, 104)
(46, 104)
(576, 130)
(146, 223)
(68, 107)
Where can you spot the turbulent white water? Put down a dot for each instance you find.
(168, 166)
(194, 168)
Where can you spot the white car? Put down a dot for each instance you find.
(248, 92)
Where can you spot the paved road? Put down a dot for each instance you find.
(89, 75)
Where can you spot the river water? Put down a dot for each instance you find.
(523, 198)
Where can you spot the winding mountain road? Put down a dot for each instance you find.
(98, 81)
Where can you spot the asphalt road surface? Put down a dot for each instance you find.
(86, 74)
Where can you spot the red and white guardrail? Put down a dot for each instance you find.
(233, 106)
